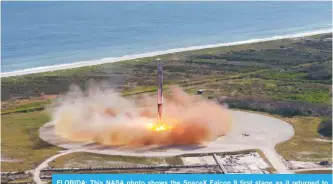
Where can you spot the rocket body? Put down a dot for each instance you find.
(159, 91)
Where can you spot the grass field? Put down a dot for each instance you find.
(96, 160)
(18, 181)
(289, 79)
(315, 172)
(304, 146)
(20, 141)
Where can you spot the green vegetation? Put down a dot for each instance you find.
(285, 73)
(315, 172)
(17, 181)
(20, 141)
(289, 78)
(174, 160)
(27, 106)
(97, 160)
(304, 146)
(296, 61)
(325, 128)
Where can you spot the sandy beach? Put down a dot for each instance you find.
(153, 54)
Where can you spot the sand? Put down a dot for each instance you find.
(153, 54)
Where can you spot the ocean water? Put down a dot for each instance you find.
(40, 34)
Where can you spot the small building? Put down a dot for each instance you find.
(200, 92)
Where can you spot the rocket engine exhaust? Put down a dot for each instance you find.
(159, 92)
(107, 117)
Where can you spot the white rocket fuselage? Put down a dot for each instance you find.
(159, 91)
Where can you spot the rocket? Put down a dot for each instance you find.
(159, 91)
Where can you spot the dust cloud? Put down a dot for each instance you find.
(106, 117)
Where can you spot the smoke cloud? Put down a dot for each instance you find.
(106, 117)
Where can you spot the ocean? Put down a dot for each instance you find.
(45, 35)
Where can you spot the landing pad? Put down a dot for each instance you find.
(249, 131)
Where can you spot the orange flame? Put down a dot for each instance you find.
(158, 127)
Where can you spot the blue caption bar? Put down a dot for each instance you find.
(192, 179)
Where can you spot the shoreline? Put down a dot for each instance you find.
(154, 54)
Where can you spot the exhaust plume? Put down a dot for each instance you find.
(106, 117)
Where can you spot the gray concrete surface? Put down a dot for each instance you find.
(249, 131)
